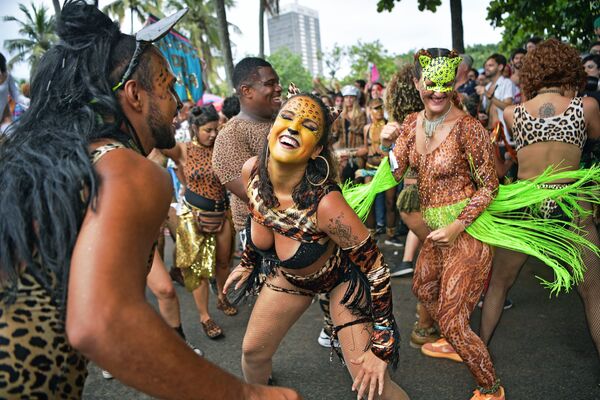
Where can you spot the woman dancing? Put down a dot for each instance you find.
(308, 241)
(446, 148)
(204, 233)
(550, 129)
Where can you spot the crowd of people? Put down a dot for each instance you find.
(452, 163)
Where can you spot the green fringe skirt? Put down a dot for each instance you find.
(511, 220)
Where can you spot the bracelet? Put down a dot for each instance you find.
(385, 148)
(382, 328)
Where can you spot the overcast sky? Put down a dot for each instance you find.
(344, 22)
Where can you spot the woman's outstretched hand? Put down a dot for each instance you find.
(370, 376)
(239, 274)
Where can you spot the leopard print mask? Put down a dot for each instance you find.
(439, 70)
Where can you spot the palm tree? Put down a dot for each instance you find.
(141, 8)
(272, 8)
(202, 25)
(225, 44)
(38, 29)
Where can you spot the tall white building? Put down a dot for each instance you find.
(297, 28)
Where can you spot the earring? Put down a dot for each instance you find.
(326, 175)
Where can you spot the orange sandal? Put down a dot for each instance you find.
(226, 307)
(211, 329)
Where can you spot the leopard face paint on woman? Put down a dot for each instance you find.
(297, 130)
(441, 71)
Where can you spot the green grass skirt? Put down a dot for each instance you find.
(509, 222)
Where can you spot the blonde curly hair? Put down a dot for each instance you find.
(401, 96)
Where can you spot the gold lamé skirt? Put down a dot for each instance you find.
(196, 253)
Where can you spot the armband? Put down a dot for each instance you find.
(385, 148)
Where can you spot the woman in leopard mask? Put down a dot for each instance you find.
(442, 145)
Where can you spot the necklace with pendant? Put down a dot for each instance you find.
(430, 126)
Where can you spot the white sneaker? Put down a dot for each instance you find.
(325, 340)
(196, 349)
(405, 268)
(106, 374)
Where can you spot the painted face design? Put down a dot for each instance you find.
(297, 130)
(439, 70)
(304, 109)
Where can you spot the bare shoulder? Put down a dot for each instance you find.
(510, 109)
(590, 106)
(509, 113)
(127, 178)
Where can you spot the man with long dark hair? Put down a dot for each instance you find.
(80, 211)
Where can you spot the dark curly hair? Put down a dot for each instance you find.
(231, 106)
(303, 194)
(202, 115)
(401, 96)
(552, 63)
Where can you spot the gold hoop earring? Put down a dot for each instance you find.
(326, 176)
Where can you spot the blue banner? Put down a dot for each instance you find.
(185, 63)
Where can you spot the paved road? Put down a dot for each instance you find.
(542, 350)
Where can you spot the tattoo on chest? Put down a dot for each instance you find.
(547, 110)
(344, 233)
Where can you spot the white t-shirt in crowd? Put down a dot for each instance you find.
(505, 89)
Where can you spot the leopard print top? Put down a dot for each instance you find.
(568, 127)
(292, 222)
(201, 179)
(36, 359)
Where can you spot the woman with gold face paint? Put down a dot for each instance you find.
(452, 156)
(308, 241)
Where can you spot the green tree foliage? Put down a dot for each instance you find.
(569, 20)
(290, 69)
(37, 29)
(139, 8)
(333, 59)
(388, 5)
(481, 52)
(201, 26)
(432, 5)
(361, 54)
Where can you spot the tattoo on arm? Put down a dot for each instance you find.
(343, 232)
(547, 110)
